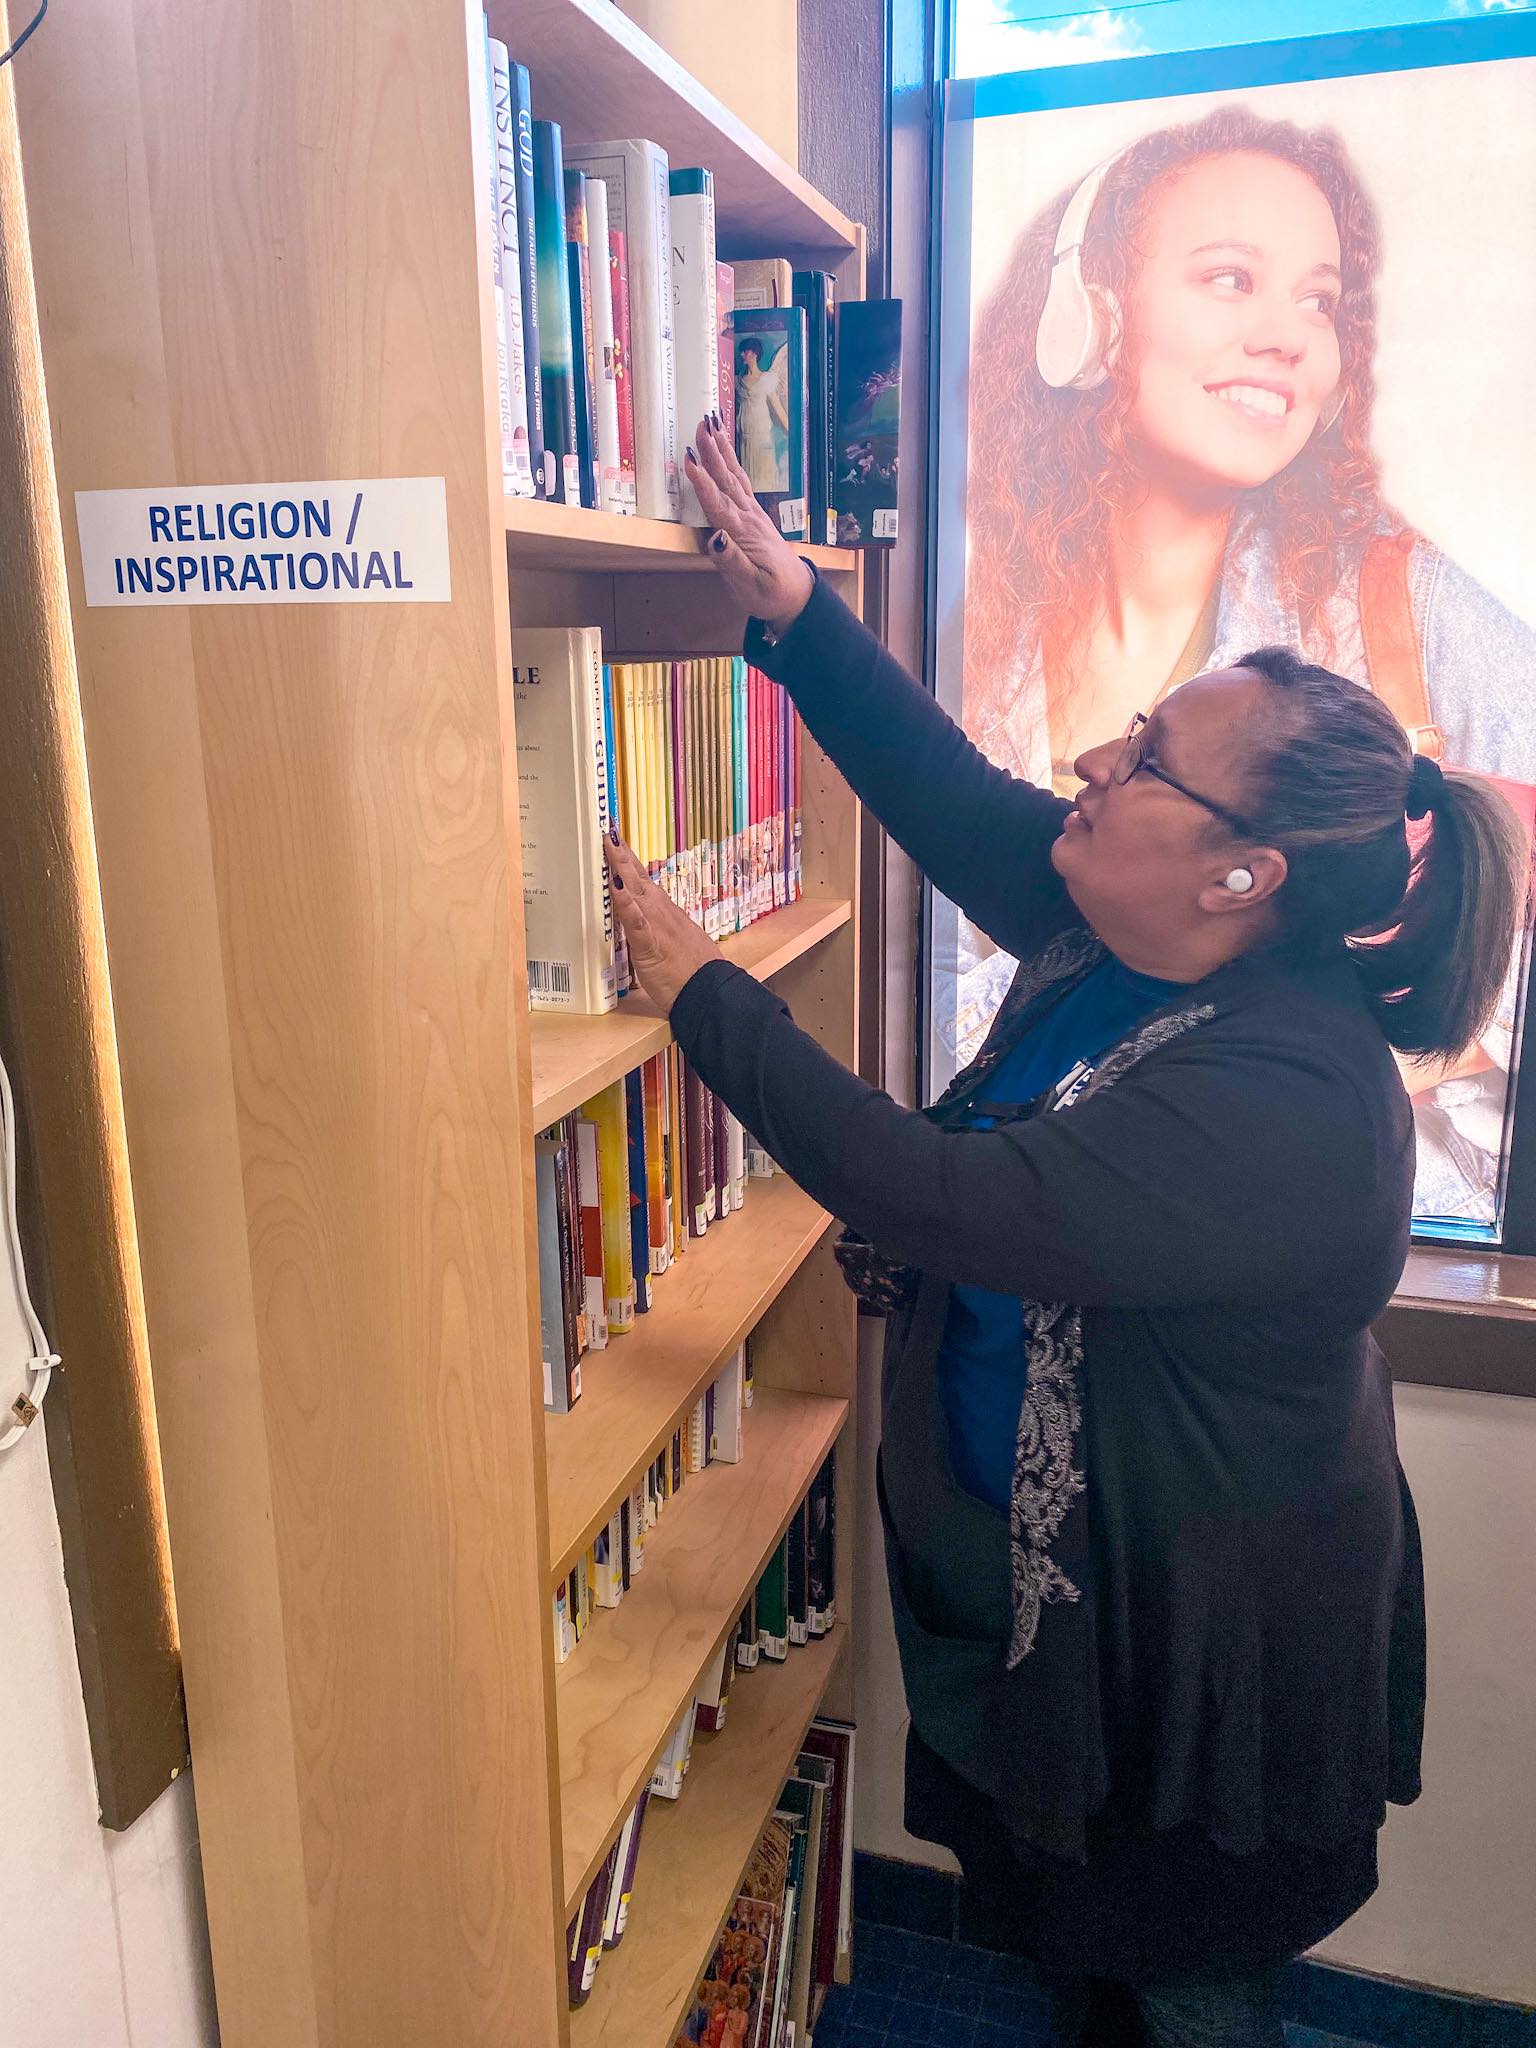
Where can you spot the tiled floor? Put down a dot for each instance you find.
(916, 1989)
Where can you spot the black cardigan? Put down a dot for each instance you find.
(1234, 1636)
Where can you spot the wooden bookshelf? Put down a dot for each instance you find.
(694, 1850)
(637, 1392)
(573, 1057)
(545, 536)
(600, 76)
(619, 1696)
(306, 830)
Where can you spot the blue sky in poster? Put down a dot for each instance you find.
(993, 36)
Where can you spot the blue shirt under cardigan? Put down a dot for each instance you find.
(981, 1361)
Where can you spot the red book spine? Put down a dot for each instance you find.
(618, 264)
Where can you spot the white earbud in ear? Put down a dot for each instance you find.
(1240, 881)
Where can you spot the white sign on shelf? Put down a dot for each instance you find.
(362, 540)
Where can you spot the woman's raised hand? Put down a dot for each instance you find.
(760, 568)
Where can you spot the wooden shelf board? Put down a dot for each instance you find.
(548, 536)
(573, 1057)
(694, 1850)
(602, 77)
(622, 1692)
(636, 1392)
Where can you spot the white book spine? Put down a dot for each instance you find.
(517, 461)
(614, 493)
(725, 1443)
(562, 801)
(639, 208)
(695, 313)
(480, 83)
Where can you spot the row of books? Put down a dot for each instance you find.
(698, 763)
(790, 1925)
(623, 1186)
(618, 328)
(712, 1433)
(816, 408)
(789, 1933)
(794, 1602)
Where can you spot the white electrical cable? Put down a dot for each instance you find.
(44, 1359)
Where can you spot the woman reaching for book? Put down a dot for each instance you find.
(1153, 1562)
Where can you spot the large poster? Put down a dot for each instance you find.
(1239, 365)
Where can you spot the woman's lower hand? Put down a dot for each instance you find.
(760, 568)
(666, 947)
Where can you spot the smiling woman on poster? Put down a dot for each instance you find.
(1171, 393)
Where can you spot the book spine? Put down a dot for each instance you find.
(583, 355)
(797, 1592)
(779, 699)
(867, 422)
(624, 365)
(639, 1219)
(519, 481)
(557, 365)
(748, 1644)
(679, 1152)
(591, 1212)
(624, 979)
(724, 778)
(772, 1608)
(627, 1871)
(725, 347)
(565, 1642)
(605, 353)
(659, 1249)
(666, 780)
(739, 817)
(557, 686)
(569, 1270)
(485, 83)
(560, 1389)
(698, 1213)
(813, 290)
(639, 206)
(528, 273)
(695, 312)
(720, 1156)
(608, 1111)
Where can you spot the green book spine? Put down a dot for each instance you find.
(773, 1605)
(557, 366)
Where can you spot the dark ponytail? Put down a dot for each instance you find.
(1431, 925)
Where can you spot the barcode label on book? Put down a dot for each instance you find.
(792, 517)
(549, 977)
(883, 522)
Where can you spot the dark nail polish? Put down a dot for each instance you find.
(617, 880)
(717, 542)
(691, 456)
(613, 834)
(715, 421)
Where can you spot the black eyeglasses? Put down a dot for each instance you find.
(1134, 760)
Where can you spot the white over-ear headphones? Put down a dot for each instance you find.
(1080, 323)
(1240, 881)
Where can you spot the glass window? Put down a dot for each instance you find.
(1317, 429)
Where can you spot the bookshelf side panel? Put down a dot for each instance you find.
(258, 250)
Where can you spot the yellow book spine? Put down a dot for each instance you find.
(624, 681)
(607, 1110)
(668, 805)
